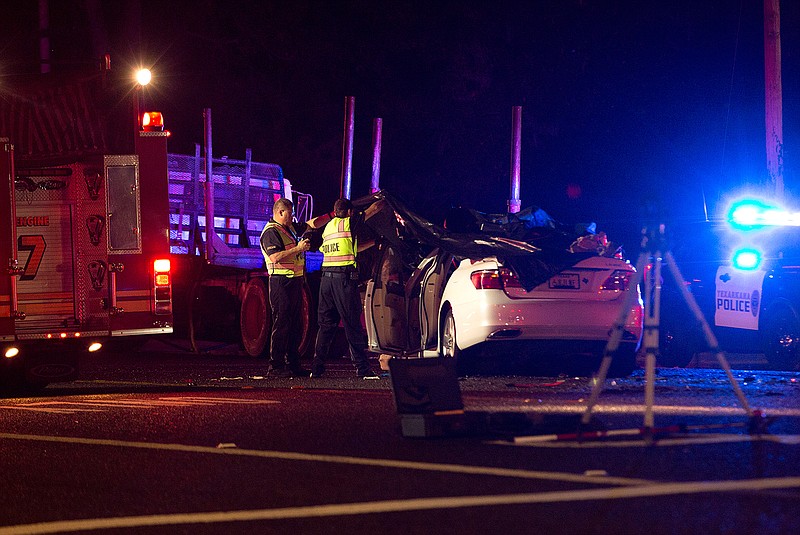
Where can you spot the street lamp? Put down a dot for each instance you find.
(142, 77)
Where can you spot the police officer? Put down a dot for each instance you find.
(284, 254)
(339, 297)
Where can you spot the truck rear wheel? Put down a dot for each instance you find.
(255, 320)
(307, 338)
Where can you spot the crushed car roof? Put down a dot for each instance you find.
(530, 243)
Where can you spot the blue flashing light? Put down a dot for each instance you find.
(746, 259)
(753, 213)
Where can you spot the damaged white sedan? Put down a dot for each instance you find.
(551, 309)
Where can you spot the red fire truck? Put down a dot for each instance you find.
(84, 232)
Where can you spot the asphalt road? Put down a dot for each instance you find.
(168, 442)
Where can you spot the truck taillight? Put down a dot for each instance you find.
(152, 121)
(162, 286)
(162, 265)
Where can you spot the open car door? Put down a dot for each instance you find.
(385, 303)
(424, 295)
(402, 305)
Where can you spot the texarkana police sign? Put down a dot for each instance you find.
(738, 298)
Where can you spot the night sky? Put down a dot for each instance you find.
(628, 106)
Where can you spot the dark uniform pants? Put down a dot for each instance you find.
(340, 300)
(285, 300)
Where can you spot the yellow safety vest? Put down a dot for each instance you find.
(288, 267)
(338, 243)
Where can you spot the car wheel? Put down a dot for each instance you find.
(781, 337)
(449, 346)
(678, 346)
(623, 362)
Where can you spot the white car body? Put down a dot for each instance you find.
(444, 309)
(551, 311)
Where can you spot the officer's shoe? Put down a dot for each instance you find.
(300, 372)
(316, 373)
(368, 374)
(279, 373)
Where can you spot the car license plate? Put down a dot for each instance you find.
(565, 281)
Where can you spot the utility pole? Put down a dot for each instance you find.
(773, 96)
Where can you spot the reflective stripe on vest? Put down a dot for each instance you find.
(288, 266)
(338, 244)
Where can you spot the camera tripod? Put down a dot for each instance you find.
(653, 251)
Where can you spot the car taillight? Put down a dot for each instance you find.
(486, 280)
(635, 316)
(162, 286)
(493, 279)
(510, 280)
(618, 281)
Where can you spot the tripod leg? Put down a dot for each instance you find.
(652, 319)
(616, 336)
(711, 340)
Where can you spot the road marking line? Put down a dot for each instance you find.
(544, 408)
(395, 506)
(682, 440)
(105, 382)
(339, 459)
(69, 407)
(50, 410)
(205, 400)
(689, 410)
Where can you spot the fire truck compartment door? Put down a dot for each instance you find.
(124, 225)
(46, 253)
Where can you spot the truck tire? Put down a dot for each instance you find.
(781, 336)
(308, 337)
(255, 321)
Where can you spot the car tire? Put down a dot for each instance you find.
(448, 346)
(781, 336)
(678, 346)
(623, 363)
